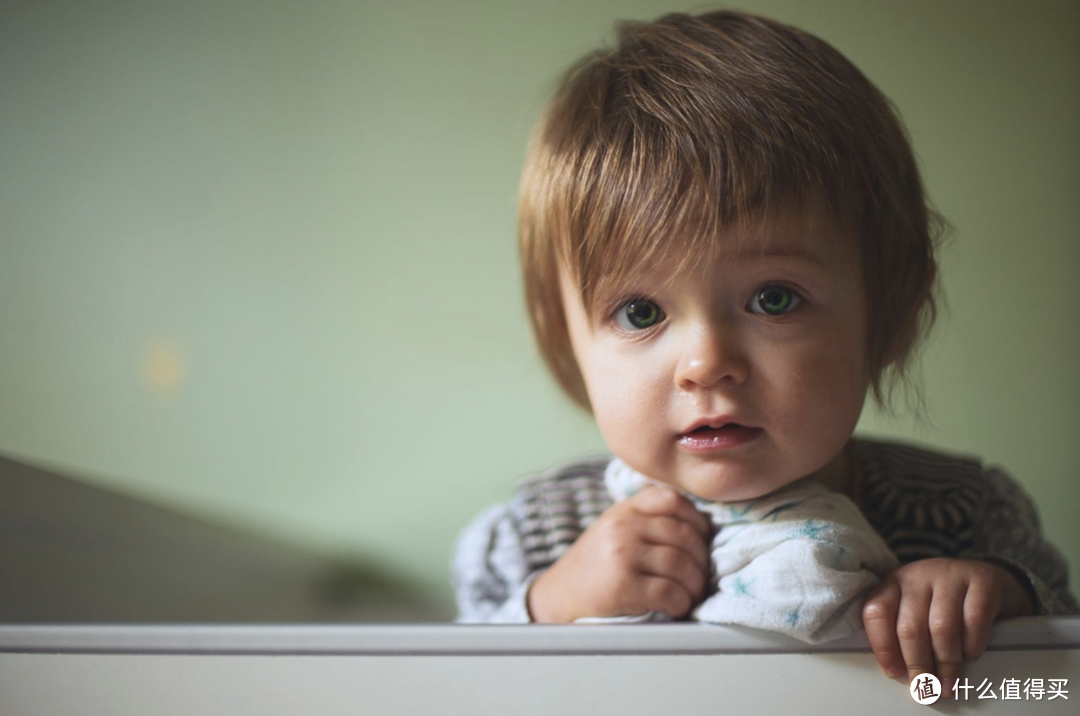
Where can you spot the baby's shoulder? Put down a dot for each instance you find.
(925, 503)
(579, 480)
(884, 465)
(555, 507)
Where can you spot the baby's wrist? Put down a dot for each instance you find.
(1024, 595)
(1018, 596)
(539, 604)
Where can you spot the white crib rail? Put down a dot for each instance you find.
(454, 669)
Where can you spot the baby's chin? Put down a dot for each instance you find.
(730, 481)
(725, 489)
(727, 480)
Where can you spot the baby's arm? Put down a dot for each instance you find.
(647, 553)
(932, 615)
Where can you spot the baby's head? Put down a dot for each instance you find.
(724, 188)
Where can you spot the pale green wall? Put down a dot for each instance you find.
(257, 258)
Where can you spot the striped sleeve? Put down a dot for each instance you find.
(1011, 537)
(927, 504)
(491, 576)
(506, 547)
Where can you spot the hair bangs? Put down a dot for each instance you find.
(658, 173)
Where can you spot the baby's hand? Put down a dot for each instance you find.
(646, 553)
(932, 615)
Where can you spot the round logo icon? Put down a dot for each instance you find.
(926, 689)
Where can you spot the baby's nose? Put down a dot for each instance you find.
(711, 355)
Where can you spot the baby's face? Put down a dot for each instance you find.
(735, 379)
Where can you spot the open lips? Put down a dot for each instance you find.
(717, 436)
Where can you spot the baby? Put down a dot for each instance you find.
(726, 246)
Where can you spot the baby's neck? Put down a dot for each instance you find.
(836, 474)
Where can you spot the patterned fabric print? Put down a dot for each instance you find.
(558, 508)
(923, 504)
(1012, 539)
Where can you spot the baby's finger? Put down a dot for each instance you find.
(673, 532)
(660, 594)
(980, 609)
(676, 565)
(913, 631)
(946, 625)
(879, 620)
(657, 501)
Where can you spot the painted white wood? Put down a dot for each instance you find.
(489, 670)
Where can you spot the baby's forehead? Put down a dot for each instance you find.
(810, 236)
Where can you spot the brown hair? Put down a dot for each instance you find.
(692, 123)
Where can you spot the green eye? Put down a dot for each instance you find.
(639, 314)
(774, 301)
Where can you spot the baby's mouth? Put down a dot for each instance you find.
(727, 435)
